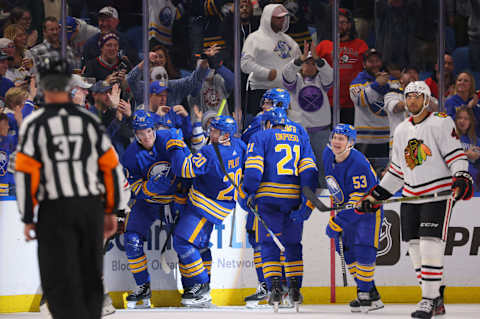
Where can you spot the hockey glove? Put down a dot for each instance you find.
(333, 230)
(366, 204)
(303, 212)
(462, 185)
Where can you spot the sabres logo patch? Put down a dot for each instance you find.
(416, 153)
(441, 114)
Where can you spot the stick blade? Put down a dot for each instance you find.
(310, 195)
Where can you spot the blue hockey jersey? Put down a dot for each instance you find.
(149, 172)
(256, 126)
(212, 193)
(279, 163)
(7, 146)
(348, 182)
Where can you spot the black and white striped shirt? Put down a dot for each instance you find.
(63, 152)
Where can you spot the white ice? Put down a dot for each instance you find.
(454, 311)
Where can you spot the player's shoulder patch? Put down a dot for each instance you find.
(440, 114)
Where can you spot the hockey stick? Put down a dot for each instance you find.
(163, 261)
(323, 208)
(342, 260)
(254, 210)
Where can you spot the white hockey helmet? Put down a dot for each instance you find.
(418, 87)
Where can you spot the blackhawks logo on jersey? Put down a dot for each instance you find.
(416, 153)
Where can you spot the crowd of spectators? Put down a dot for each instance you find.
(384, 44)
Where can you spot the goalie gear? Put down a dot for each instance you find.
(462, 185)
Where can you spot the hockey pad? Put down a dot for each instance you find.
(462, 185)
(366, 204)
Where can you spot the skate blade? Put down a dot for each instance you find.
(108, 310)
(376, 305)
(256, 305)
(297, 306)
(145, 303)
(355, 309)
(275, 306)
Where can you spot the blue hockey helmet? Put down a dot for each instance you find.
(347, 130)
(164, 121)
(276, 116)
(142, 120)
(280, 97)
(225, 124)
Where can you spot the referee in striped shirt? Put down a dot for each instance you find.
(66, 165)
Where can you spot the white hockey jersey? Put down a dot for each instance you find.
(425, 156)
(162, 14)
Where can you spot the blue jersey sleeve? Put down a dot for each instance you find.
(254, 165)
(307, 168)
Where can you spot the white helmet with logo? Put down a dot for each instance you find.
(419, 87)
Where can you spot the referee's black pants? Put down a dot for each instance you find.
(70, 239)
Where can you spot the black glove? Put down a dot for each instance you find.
(366, 204)
(463, 185)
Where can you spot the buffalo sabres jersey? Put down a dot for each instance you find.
(371, 121)
(257, 125)
(279, 162)
(149, 171)
(211, 191)
(7, 146)
(424, 156)
(349, 180)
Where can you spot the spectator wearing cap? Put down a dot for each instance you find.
(108, 23)
(308, 79)
(367, 92)
(350, 59)
(5, 83)
(178, 89)
(113, 112)
(51, 42)
(109, 62)
(78, 32)
(265, 53)
(79, 90)
(176, 116)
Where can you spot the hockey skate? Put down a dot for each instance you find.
(141, 294)
(107, 308)
(197, 296)
(439, 303)
(261, 294)
(285, 299)
(275, 294)
(424, 309)
(44, 308)
(294, 295)
(366, 302)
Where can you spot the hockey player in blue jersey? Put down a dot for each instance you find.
(210, 199)
(349, 177)
(273, 98)
(147, 162)
(278, 164)
(8, 143)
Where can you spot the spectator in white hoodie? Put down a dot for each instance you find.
(265, 53)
